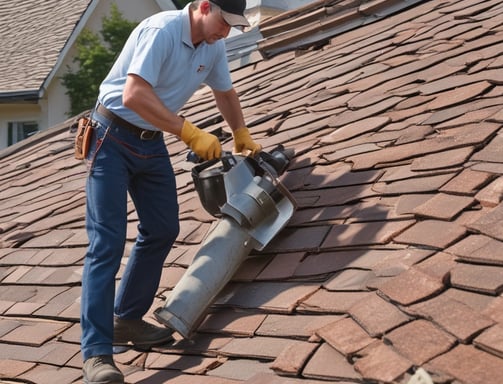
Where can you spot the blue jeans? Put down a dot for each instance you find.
(120, 162)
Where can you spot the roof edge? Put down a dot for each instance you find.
(29, 96)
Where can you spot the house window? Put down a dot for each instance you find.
(20, 130)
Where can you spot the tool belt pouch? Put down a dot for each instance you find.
(83, 137)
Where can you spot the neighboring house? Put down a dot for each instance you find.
(37, 46)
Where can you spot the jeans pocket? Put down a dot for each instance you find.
(98, 136)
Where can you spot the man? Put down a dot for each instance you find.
(165, 60)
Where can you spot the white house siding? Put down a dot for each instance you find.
(58, 103)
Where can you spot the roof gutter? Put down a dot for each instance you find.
(29, 96)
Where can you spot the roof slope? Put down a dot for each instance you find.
(33, 34)
(393, 260)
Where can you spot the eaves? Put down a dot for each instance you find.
(29, 96)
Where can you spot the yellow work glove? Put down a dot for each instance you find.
(203, 144)
(243, 142)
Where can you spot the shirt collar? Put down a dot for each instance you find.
(186, 35)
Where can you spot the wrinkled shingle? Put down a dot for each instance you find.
(420, 341)
(470, 365)
(381, 363)
(453, 316)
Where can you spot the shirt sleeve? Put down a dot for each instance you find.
(219, 78)
(149, 54)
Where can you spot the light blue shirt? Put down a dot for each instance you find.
(160, 50)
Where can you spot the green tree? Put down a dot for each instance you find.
(95, 57)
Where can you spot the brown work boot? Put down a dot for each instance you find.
(102, 370)
(140, 333)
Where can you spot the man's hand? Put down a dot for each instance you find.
(204, 144)
(243, 142)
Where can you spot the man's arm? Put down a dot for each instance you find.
(230, 108)
(139, 96)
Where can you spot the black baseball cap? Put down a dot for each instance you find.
(233, 12)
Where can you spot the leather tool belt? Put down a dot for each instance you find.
(83, 137)
(143, 134)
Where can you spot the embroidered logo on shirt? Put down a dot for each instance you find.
(200, 68)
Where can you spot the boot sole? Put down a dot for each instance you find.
(146, 345)
(103, 382)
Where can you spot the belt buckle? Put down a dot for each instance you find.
(147, 134)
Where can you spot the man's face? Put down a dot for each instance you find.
(215, 27)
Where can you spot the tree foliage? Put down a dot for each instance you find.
(95, 57)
